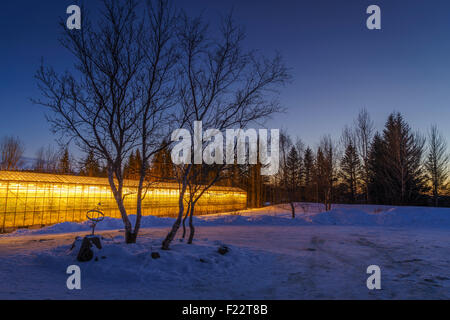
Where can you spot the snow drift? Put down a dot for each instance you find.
(308, 214)
(385, 216)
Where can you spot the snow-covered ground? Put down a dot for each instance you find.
(318, 255)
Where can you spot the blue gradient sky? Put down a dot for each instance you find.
(338, 66)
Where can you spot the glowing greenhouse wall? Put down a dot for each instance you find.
(31, 199)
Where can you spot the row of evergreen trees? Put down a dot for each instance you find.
(161, 167)
(395, 166)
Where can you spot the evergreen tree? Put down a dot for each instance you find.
(403, 153)
(436, 163)
(254, 186)
(65, 166)
(128, 166)
(132, 167)
(351, 170)
(377, 175)
(293, 171)
(328, 168)
(90, 166)
(162, 167)
(292, 176)
(137, 165)
(320, 176)
(308, 175)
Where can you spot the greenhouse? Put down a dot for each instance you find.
(30, 199)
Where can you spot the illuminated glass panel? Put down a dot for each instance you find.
(32, 199)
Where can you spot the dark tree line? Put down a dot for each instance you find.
(396, 166)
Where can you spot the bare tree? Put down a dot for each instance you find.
(158, 83)
(39, 164)
(11, 149)
(200, 179)
(223, 86)
(364, 131)
(46, 160)
(437, 162)
(327, 166)
(348, 137)
(112, 102)
(288, 173)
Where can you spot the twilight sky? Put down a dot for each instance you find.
(338, 65)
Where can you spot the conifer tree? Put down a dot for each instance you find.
(65, 165)
(351, 171)
(308, 167)
(377, 175)
(162, 167)
(436, 163)
(293, 176)
(90, 166)
(403, 151)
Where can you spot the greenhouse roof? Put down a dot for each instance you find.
(24, 176)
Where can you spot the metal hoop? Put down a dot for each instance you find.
(99, 218)
(95, 220)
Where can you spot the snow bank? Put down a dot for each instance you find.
(344, 217)
(193, 271)
(307, 214)
(247, 220)
(415, 217)
(107, 224)
(385, 216)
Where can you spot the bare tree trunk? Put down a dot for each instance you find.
(133, 235)
(330, 197)
(436, 201)
(293, 209)
(171, 235)
(191, 224)
(436, 193)
(130, 237)
(185, 218)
